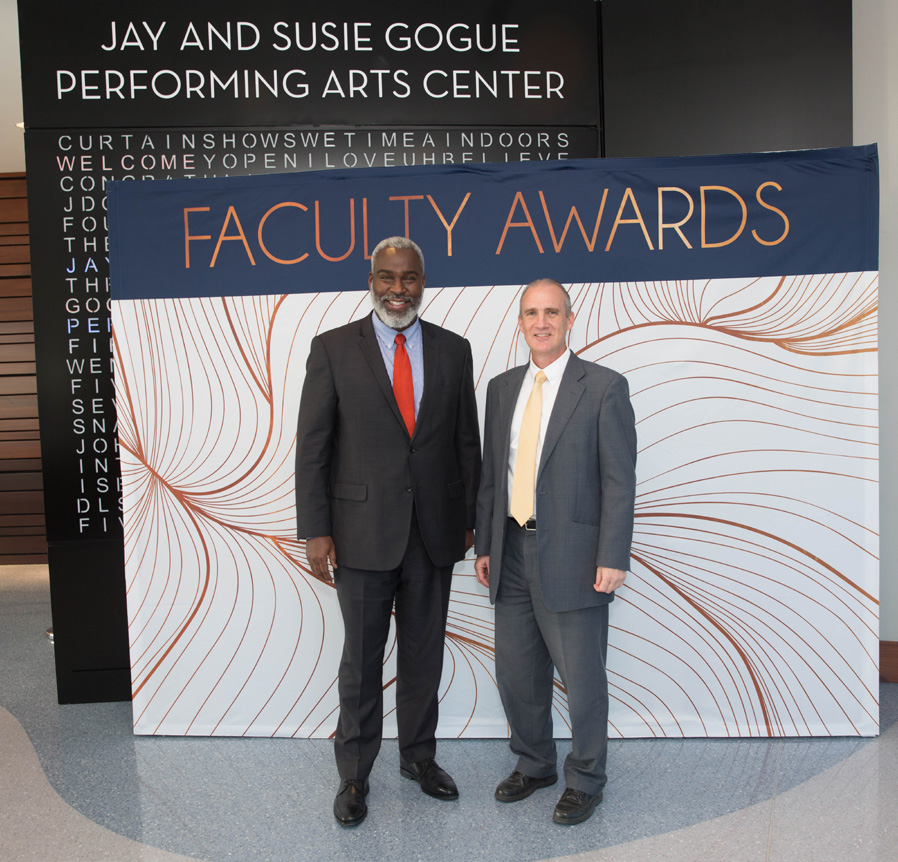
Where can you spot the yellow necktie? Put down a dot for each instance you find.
(524, 481)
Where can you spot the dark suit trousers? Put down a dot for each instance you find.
(421, 594)
(530, 639)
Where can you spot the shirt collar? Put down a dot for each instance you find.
(554, 371)
(386, 335)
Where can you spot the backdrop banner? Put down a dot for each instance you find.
(738, 295)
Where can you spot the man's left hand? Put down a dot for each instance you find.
(608, 580)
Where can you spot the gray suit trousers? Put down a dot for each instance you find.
(530, 639)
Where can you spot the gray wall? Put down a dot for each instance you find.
(12, 139)
(876, 120)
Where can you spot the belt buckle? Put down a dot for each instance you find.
(530, 524)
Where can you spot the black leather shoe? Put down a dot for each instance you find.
(575, 806)
(519, 786)
(434, 781)
(349, 806)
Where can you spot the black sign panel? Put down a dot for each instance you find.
(107, 63)
(155, 90)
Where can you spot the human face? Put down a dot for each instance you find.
(545, 323)
(396, 285)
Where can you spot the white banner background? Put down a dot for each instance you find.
(751, 609)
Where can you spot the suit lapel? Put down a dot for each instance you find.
(507, 398)
(570, 391)
(370, 348)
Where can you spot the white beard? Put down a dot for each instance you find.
(391, 318)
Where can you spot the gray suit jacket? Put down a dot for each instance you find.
(358, 473)
(585, 484)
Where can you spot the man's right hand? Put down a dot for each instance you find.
(320, 551)
(482, 568)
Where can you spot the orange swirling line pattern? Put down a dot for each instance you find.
(751, 609)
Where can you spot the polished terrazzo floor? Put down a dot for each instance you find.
(75, 784)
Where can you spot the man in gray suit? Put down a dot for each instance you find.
(387, 465)
(554, 525)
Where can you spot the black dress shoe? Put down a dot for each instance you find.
(575, 806)
(519, 786)
(349, 806)
(434, 781)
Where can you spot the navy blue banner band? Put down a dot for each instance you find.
(577, 221)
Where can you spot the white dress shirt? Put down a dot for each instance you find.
(554, 373)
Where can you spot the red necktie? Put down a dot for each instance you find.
(403, 385)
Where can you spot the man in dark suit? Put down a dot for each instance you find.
(387, 465)
(554, 525)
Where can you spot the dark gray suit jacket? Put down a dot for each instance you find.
(585, 484)
(358, 473)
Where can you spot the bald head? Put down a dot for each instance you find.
(547, 281)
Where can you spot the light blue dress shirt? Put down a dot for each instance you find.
(414, 346)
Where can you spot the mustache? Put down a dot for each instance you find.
(404, 298)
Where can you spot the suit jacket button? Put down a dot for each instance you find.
(408, 489)
(413, 450)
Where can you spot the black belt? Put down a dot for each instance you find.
(529, 524)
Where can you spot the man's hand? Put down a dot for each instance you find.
(482, 568)
(469, 540)
(608, 580)
(319, 551)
